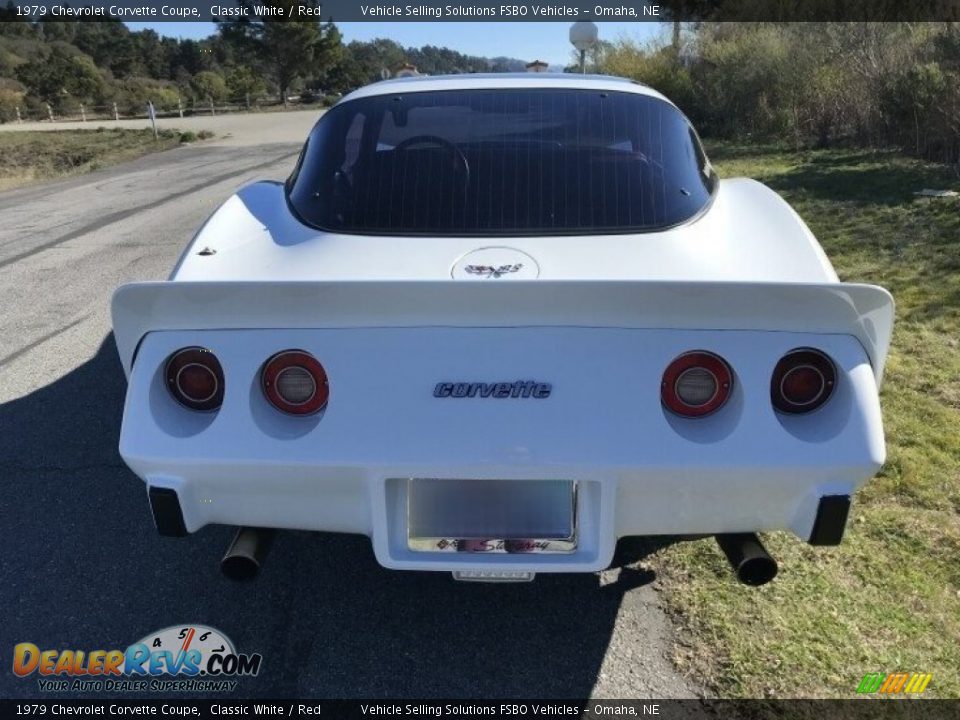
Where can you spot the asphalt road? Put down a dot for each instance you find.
(82, 567)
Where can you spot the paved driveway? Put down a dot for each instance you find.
(82, 566)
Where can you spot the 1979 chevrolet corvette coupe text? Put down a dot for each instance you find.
(496, 323)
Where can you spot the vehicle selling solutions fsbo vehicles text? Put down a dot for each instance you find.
(551, 710)
(504, 11)
(468, 11)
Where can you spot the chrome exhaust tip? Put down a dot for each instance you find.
(750, 561)
(246, 553)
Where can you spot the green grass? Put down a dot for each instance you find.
(28, 157)
(888, 598)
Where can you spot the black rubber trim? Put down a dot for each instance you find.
(831, 520)
(167, 515)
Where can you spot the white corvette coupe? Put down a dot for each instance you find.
(496, 323)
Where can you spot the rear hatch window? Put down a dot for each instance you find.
(501, 162)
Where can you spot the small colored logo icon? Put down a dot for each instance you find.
(894, 683)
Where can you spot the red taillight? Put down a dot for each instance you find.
(802, 381)
(295, 382)
(696, 384)
(195, 378)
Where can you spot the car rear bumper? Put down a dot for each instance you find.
(639, 470)
(616, 505)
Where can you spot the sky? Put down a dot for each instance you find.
(545, 41)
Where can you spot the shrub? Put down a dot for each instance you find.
(208, 85)
(10, 100)
(923, 104)
(654, 65)
(63, 75)
(243, 83)
(133, 94)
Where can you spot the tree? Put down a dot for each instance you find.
(111, 45)
(677, 12)
(153, 57)
(243, 83)
(370, 59)
(434, 60)
(60, 74)
(193, 56)
(12, 24)
(208, 85)
(594, 59)
(653, 64)
(10, 100)
(288, 49)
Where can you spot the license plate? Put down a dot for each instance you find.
(491, 516)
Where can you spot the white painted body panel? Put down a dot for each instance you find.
(748, 234)
(494, 81)
(864, 312)
(598, 317)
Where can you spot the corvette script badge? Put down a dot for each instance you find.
(492, 272)
(500, 390)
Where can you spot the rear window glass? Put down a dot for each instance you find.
(502, 162)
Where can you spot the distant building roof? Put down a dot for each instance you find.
(407, 70)
(537, 66)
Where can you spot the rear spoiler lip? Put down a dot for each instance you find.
(864, 311)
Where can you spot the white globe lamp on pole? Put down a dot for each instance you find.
(583, 36)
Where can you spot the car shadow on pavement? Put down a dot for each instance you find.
(83, 568)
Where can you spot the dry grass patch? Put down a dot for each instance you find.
(36, 156)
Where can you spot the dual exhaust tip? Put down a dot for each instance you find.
(246, 553)
(750, 561)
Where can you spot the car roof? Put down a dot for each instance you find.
(504, 81)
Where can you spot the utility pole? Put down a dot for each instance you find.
(152, 114)
(583, 36)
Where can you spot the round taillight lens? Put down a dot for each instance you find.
(696, 384)
(195, 379)
(802, 381)
(295, 382)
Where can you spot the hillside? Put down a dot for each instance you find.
(99, 64)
